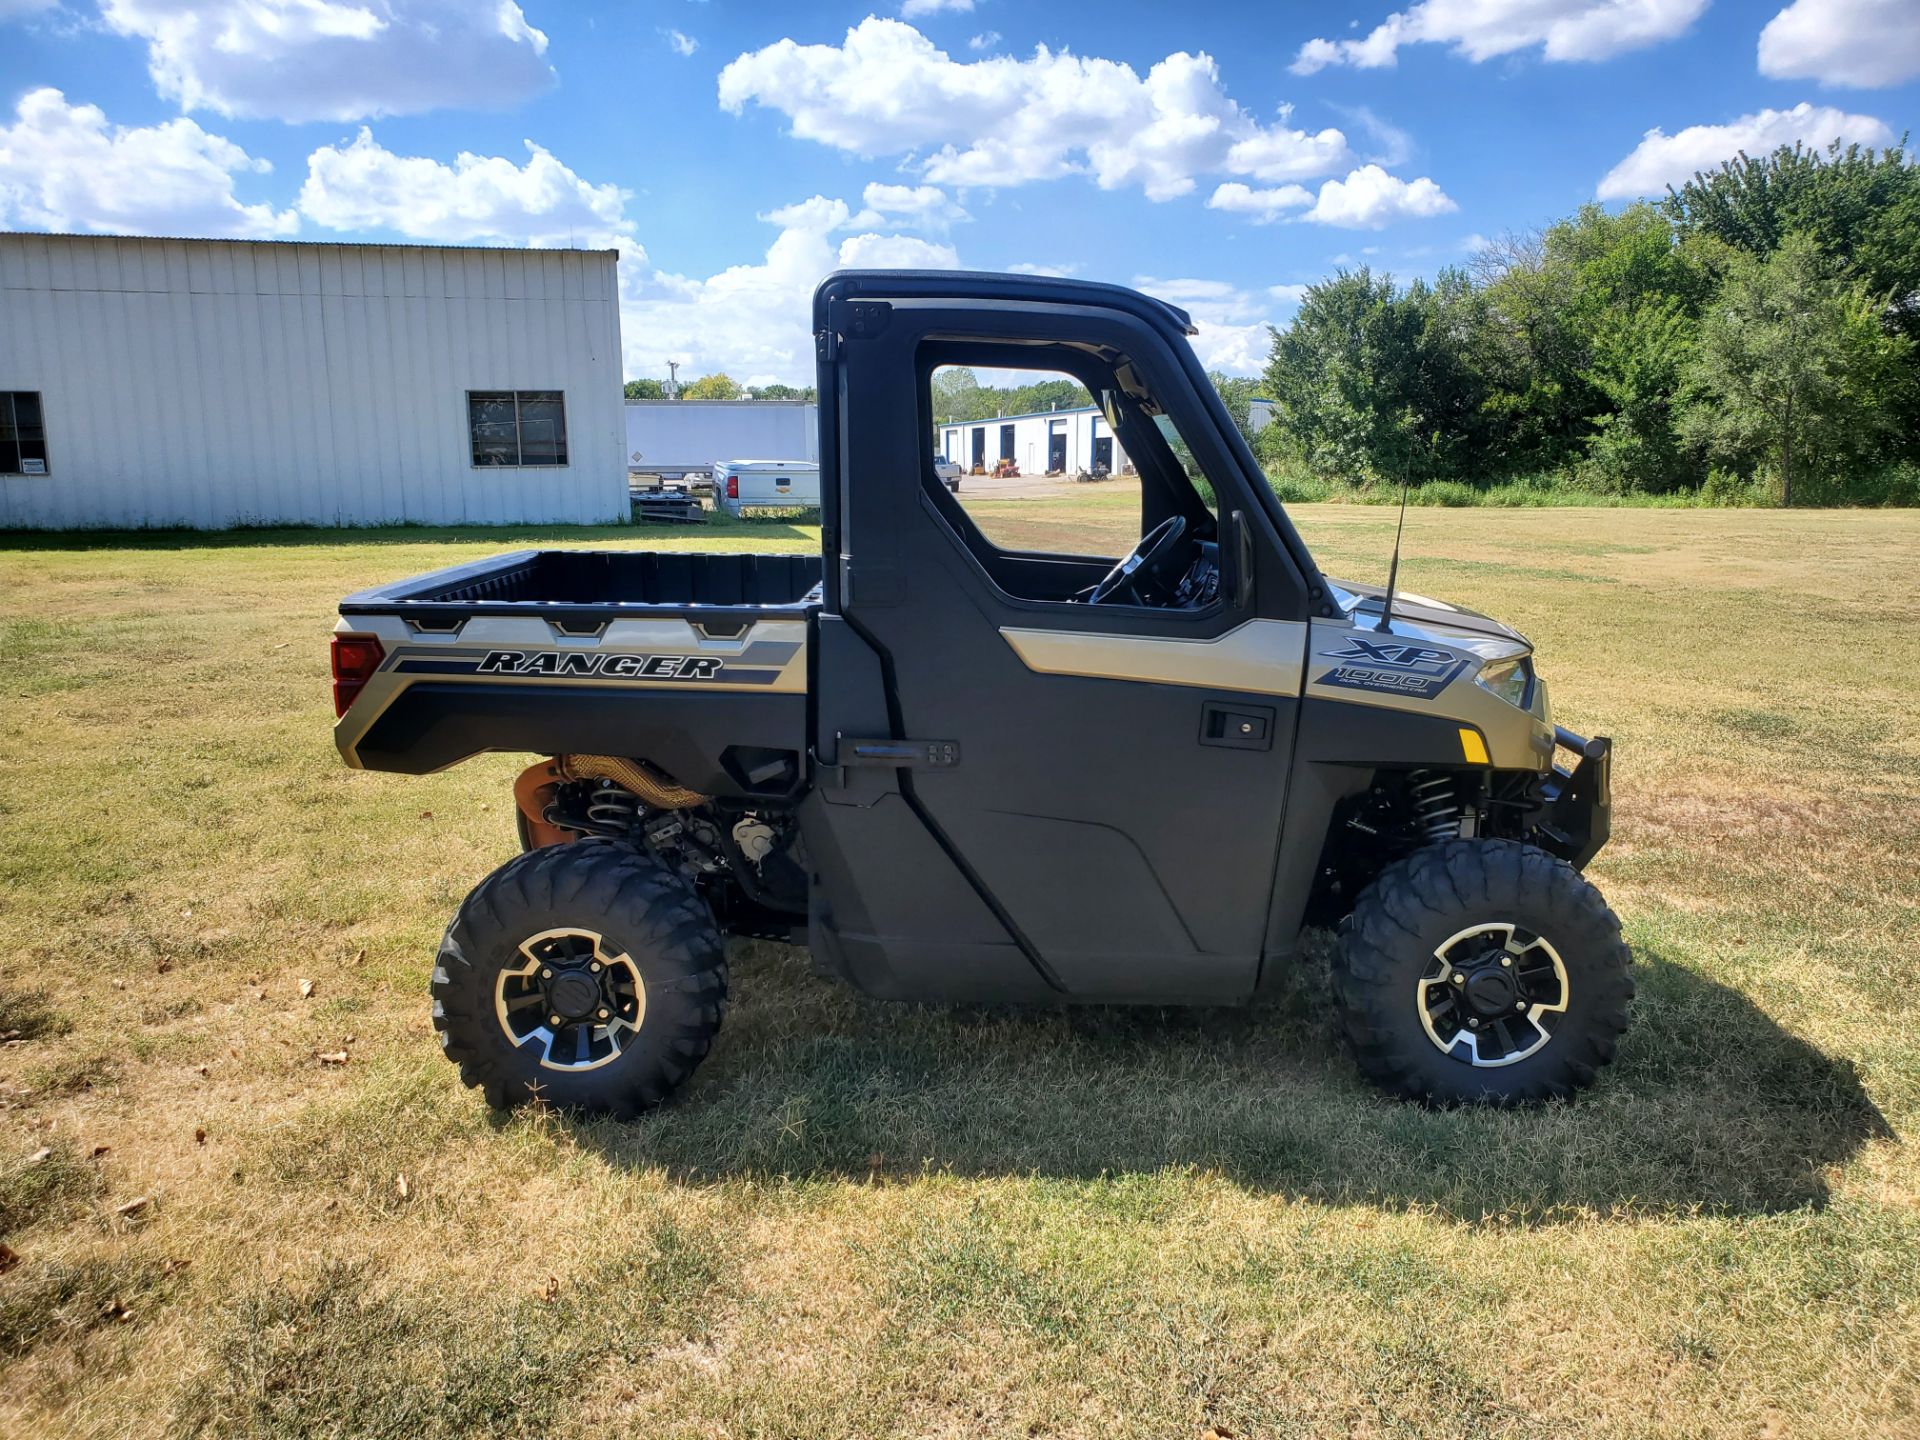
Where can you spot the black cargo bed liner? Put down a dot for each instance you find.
(598, 583)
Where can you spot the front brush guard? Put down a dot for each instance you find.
(1576, 815)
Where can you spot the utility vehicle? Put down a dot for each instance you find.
(960, 771)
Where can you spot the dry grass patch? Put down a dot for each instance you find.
(959, 1222)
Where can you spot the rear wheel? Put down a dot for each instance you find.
(586, 975)
(1482, 970)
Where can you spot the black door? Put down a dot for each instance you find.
(1115, 784)
(1006, 442)
(979, 449)
(1103, 452)
(1056, 447)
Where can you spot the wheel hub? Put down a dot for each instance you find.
(1492, 994)
(577, 1001)
(573, 995)
(1490, 991)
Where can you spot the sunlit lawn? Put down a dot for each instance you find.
(866, 1220)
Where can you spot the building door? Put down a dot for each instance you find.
(1006, 442)
(1103, 452)
(979, 449)
(1056, 447)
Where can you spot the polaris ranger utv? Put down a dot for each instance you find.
(961, 771)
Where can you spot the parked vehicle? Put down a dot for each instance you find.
(680, 439)
(742, 485)
(963, 772)
(947, 472)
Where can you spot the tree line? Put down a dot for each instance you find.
(719, 386)
(1755, 336)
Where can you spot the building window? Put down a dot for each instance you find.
(517, 427)
(23, 439)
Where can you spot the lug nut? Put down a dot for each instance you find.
(1473, 1024)
(553, 1020)
(546, 974)
(1458, 978)
(595, 967)
(605, 1013)
(1521, 1006)
(1506, 960)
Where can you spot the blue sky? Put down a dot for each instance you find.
(1221, 155)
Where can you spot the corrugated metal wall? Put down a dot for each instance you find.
(212, 383)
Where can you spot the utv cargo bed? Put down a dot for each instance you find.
(596, 585)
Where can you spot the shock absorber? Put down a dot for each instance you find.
(612, 808)
(1436, 809)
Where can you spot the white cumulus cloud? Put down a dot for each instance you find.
(364, 186)
(299, 60)
(681, 43)
(1866, 43)
(986, 40)
(1371, 199)
(1368, 199)
(910, 207)
(1232, 322)
(65, 167)
(755, 321)
(1660, 159)
(1264, 205)
(1483, 29)
(888, 90)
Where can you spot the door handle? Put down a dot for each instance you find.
(1237, 727)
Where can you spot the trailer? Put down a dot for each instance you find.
(675, 439)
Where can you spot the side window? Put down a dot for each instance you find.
(1042, 466)
(23, 437)
(517, 427)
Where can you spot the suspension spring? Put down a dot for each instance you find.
(613, 809)
(1436, 810)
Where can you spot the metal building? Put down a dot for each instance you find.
(1048, 442)
(210, 383)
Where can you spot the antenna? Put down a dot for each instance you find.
(1393, 566)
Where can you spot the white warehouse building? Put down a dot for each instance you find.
(1048, 442)
(210, 383)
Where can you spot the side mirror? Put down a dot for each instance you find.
(1242, 532)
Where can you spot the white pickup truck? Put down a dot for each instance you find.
(740, 485)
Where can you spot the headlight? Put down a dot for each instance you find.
(1511, 680)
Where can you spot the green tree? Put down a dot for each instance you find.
(779, 392)
(712, 387)
(1860, 207)
(646, 390)
(1795, 371)
(1370, 382)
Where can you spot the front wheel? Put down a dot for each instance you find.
(586, 975)
(1482, 970)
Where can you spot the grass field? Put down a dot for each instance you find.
(865, 1220)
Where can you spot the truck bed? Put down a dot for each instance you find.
(695, 663)
(596, 585)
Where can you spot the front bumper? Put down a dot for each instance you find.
(1576, 814)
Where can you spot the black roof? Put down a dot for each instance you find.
(996, 285)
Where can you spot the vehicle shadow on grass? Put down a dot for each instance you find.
(1711, 1105)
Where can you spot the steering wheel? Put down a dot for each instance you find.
(1141, 571)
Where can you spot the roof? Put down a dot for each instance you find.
(310, 244)
(992, 285)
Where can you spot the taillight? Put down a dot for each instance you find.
(355, 658)
(733, 487)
